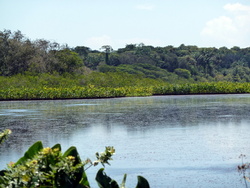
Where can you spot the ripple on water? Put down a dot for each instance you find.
(81, 104)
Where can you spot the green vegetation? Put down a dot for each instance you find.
(41, 69)
(188, 63)
(104, 85)
(49, 167)
(4, 135)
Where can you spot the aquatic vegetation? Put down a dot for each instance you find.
(59, 93)
(244, 168)
(202, 88)
(91, 91)
(103, 85)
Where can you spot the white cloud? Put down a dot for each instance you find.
(232, 30)
(145, 7)
(221, 28)
(96, 43)
(146, 41)
(236, 7)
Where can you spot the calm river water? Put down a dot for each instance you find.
(173, 141)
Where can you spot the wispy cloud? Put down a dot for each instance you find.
(97, 42)
(233, 29)
(146, 41)
(145, 7)
(236, 7)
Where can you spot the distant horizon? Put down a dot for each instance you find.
(128, 44)
(224, 23)
(99, 49)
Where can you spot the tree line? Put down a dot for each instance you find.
(19, 55)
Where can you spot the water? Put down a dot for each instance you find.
(173, 141)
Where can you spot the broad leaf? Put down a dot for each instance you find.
(32, 151)
(72, 151)
(57, 146)
(142, 182)
(84, 181)
(105, 181)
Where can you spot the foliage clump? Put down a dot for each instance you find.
(50, 167)
(42, 69)
(4, 135)
(185, 63)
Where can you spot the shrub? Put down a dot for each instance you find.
(183, 73)
(49, 167)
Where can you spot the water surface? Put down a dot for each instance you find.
(173, 141)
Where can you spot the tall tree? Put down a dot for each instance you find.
(68, 61)
(107, 49)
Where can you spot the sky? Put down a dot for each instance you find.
(94, 23)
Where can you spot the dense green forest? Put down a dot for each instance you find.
(20, 55)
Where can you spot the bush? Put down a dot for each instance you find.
(183, 73)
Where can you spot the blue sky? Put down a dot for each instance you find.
(94, 23)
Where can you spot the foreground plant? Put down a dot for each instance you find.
(49, 167)
(4, 135)
(244, 168)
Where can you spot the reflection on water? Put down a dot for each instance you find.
(173, 141)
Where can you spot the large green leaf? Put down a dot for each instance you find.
(105, 181)
(72, 151)
(84, 181)
(31, 152)
(142, 182)
(57, 146)
(2, 173)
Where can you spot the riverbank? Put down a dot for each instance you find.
(91, 91)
